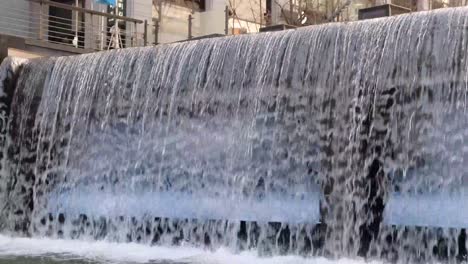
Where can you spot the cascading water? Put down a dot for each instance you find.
(291, 142)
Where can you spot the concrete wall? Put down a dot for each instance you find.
(29, 48)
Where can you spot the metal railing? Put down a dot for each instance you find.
(70, 25)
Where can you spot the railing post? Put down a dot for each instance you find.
(91, 37)
(190, 18)
(156, 31)
(145, 37)
(77, 15)
(102, 32)
(226, 20)
(135, 35)
(41, 30)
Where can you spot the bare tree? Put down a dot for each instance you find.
(309, 12)
(300, 12)
(233, 13)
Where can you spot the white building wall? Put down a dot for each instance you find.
(142, 10)
(213, 20)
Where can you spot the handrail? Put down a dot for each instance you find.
(84, 10)
(86, 33)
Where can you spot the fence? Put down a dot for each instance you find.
(70, 25)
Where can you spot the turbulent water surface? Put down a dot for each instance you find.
(49, 251)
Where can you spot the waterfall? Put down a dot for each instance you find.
(290, 142)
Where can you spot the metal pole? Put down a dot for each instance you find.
(156, 31)
(190, 26)
(135, 34)
(41, 33)
(91, 37)
(76, 24)
(226, 20)
(103, 31)
(145, 37)
(117, 28)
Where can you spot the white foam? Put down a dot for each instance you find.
(113, 252)
(301, 208)
(434, 210)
